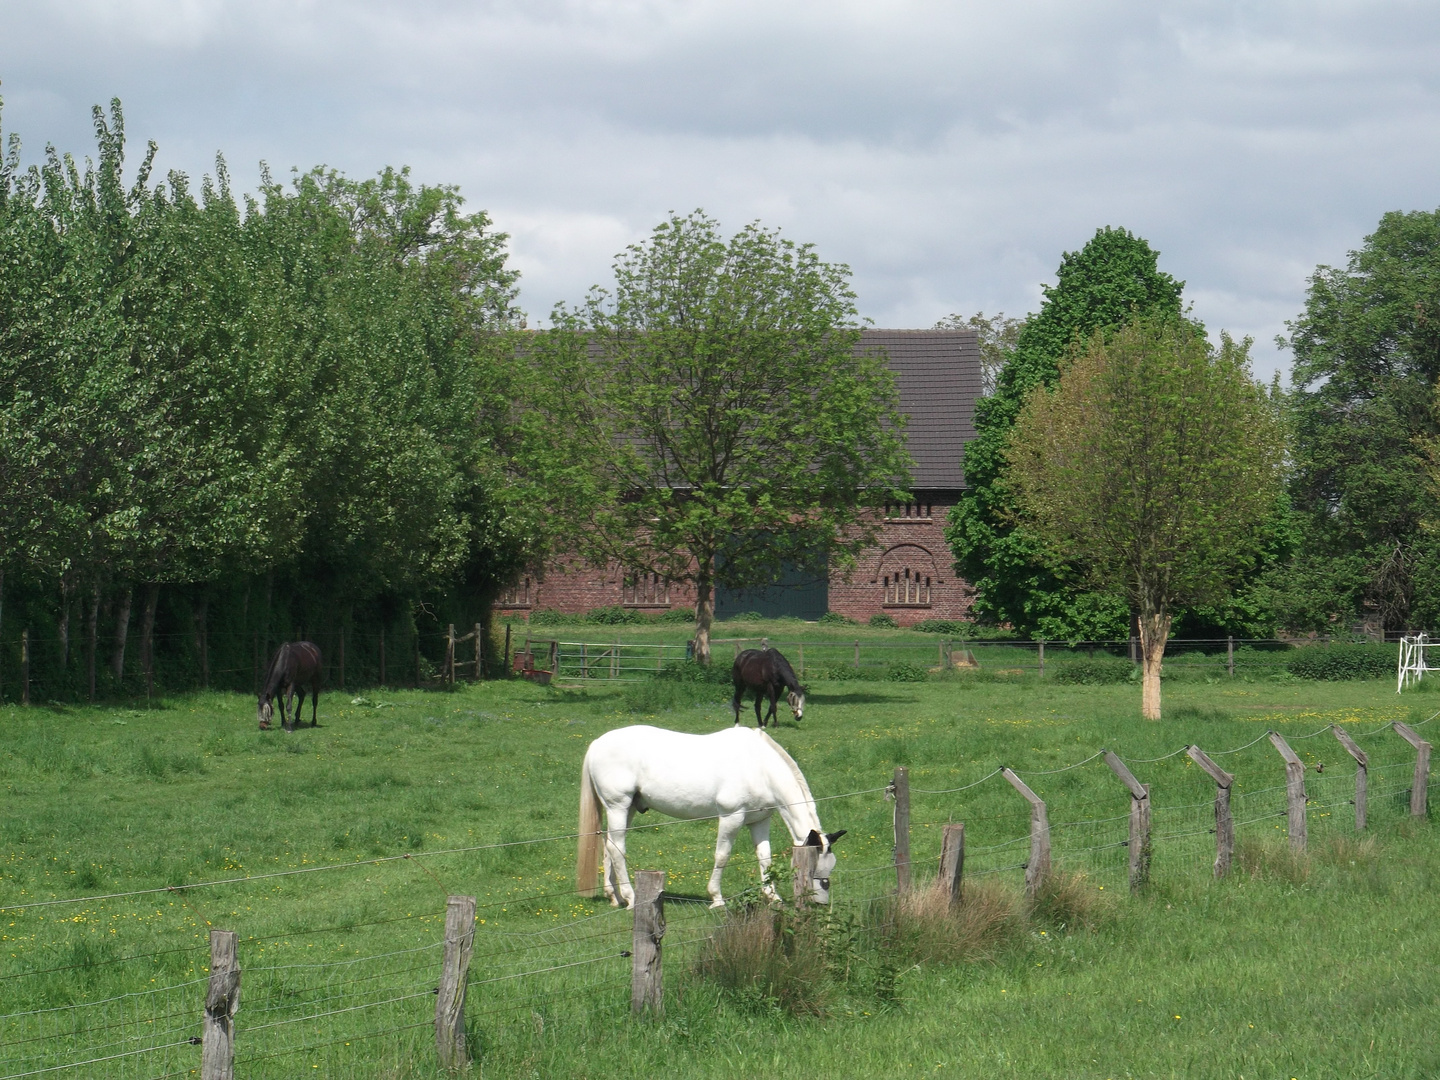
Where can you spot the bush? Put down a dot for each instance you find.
(944, 626)
(905, 671)
(1071, 900)
(884, 622)
(677, 615)
(769, 961)
(650, 696)
(834, 618)
(745, 616)
(1337, 663)
(848, 673)
(551, 617)
(614, 615)
(1094, 671)
(688, 671)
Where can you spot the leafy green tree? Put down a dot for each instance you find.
(1102, 285)
(1367, 356)
(711, 419)
(1153, 463)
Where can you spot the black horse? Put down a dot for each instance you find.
(295, 664)
(767, 673)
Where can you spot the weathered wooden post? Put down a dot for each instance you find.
(1224, 823)
(479, 655)
(454, 969)
(1042, 658)
(1362, 769)
(1230, 656)
(222, 1002)
(900, 791)
(24, 667)
(857, 654)
(647, 983)
(1294, 792)
(1139, 843)
(804, 859)
(1420, 785)
(1037, 869)
(505, 672)
(952, 860)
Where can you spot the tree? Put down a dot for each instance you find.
(1152, 464)
(997, 335)
(711, 420)
(1367, 359)
(1113, 276)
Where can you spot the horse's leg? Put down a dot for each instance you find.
(774, 697)
(736, 700)
(617, 874)
(294, 711)
(758, 694)
(284, 717)
(315, 701)
(724, 844)
(760, 833)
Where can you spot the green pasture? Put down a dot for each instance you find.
(1315, 968)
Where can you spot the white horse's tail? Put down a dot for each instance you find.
(587, 857)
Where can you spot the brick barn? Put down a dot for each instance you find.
(909, 575)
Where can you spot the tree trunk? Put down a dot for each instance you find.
(704, 616)
(147, 631)
(92, 633)
(122, 631)
(64, 625)
(1154, 630)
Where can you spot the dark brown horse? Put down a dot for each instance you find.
(767, 673)
(296, 663)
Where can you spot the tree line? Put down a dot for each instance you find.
(242, 419)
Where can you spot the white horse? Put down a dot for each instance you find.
(740, 776)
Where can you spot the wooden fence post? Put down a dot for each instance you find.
(1294, 791)
(24, 667)
(1042, 658)
(952, 860)
(1037, 869)
(857, 654)
(479, 655)
(454, 970)
(1224, 823)
(647, 983)
(222, 1002)
(804, 859)
(900, 791)
(1362, 771)
(1420, 785)
(1139, 843)
(449, 673)
(505, 671)
(1230, 656)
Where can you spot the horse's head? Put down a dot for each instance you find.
(824, 863)
(797, 704)
(265, 712)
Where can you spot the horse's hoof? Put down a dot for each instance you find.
(264, 726)
(718, 904)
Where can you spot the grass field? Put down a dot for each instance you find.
(1314, 968)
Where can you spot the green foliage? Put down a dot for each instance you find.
(905, 671)
(1367, 356)
(834, 618)
(676, 615)
(997, 337)
(1099, 671)
(881, 621)
(726, 370)
(847, 673)
(688, 671)
(1114, 276)
(1337, 663)
(551, 617)
(615, 615)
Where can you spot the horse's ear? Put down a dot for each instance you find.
(832, 837)
(813, 840)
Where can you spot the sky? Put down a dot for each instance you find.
(949, 153)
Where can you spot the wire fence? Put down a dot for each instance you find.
(328, 1006)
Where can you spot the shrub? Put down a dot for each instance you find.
(665, 695)
(1094, 671)
(1336, 663)
(745, 616)
(551, 617)
(834, 618)
(848, 673)
(944, 626)
(677, 615)
(614, 615)
(771, 961)
(688, 671)
(881, 621)
(905, 671)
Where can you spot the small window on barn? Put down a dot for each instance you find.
(645, 590)
(519, 595)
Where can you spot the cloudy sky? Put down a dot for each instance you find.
(948, 152)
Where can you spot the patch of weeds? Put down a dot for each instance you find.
(1071, 901)
(1271, 860)
(834, 618)
(881, 621)
(925, 927)
(905, 671)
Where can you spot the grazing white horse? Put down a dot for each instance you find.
(740, 776)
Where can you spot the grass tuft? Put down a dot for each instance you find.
(989, 917)
(1071, 901)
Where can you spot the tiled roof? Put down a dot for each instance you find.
(938, 375)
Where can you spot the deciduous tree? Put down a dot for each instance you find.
(1153, 464)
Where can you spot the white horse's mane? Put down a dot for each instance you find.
(794, 768)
